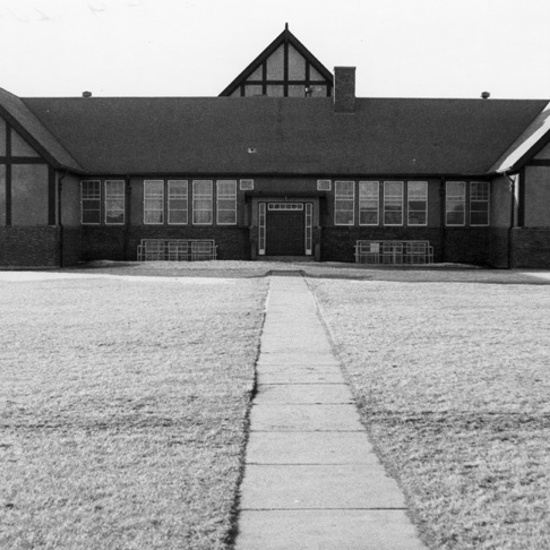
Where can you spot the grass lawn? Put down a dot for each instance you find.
(123, 402)
(453, 383)
(124, 393)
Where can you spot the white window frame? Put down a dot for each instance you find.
(455, 198)
(261, 228)
(393, 199)
(178, 194)
(115, 194)
(246, 185)
(417, 196)
(287, 206)
(153, 195)
(344, 202)
(369, 200)
(309, 229)
(226, 202)
(324, 185)
(482, 198)
(205, 196)
(93, 196)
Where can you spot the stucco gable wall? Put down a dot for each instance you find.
(537, 196)
(500, 202)
(543, 154)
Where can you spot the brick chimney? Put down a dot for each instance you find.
(344, 89)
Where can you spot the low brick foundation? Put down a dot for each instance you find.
(531, 247)
(72, 245)
(121, 243)
(39, 246)
(338, 243)
(498, 247)
(29, 246)
(467, 245)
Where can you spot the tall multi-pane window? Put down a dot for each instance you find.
(90, 200)
(153, 201)
(344, 202)
(368, 202)
(417, 203)
(455, 203)
(226, 202)
(393, 203)
(479, 203)
(178, 202)
(114, 201)
(202, 202)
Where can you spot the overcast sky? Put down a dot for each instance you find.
(401, 48)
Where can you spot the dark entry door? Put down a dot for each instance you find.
(285, 233)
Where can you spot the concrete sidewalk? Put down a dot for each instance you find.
(311, 481)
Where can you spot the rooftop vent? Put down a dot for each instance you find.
(86, 94)
(485, 95)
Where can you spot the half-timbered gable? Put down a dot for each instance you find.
(286, 68)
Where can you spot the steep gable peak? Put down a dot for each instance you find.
(286, 68)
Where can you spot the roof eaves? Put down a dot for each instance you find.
(22, 119)
(535, 136)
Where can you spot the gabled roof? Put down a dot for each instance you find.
(526, 145)
(284, 39)
(290, 136)
(14, 110)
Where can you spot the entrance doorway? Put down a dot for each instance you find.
(285, 233)
(285, 228)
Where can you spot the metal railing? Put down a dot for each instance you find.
(394, 252)
(176, 250)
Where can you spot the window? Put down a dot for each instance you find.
(246, 185)
(309, 229)
(178, 202)
(479, 203)
(202, 202)
(226, 202)
(285, 206)
(393, 203)
(261, 228)
(417, 198)
(153, 201)
(344, 202)
(114, 201)
(90, 200)
(368, 202)
(455, 203)
(324, 185)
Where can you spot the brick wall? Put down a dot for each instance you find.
(531, 247)
(498, 247)
(29, 246)
(72, 246)
(103, 243)
(121, 243)
(337, 243)
(467, 245)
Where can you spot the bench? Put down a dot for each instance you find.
(393, 252)
(176, 250)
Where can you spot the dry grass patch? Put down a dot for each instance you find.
(122, 408)
(452, 382)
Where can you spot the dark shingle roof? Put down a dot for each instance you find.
(290, 135)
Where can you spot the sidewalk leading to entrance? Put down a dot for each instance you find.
(311, 481)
